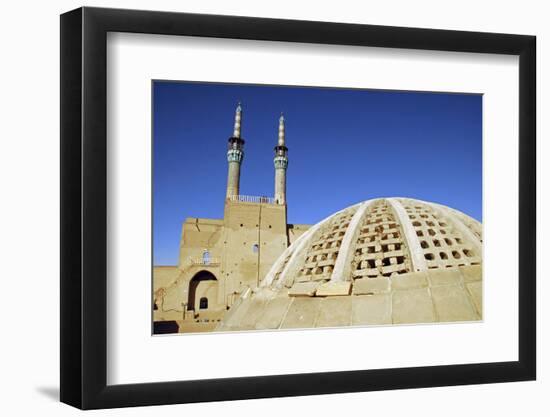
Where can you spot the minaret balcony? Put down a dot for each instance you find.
(235, 143)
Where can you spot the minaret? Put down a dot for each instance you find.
(235, 156)
(281, 164)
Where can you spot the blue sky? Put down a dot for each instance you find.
(345, 146)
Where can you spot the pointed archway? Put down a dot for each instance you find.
(203, 291)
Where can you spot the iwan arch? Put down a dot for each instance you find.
(381, 261)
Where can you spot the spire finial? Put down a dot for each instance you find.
(238, 117)
(281, 141)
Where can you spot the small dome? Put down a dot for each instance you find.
(383, 261)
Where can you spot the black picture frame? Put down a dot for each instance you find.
(84, 207)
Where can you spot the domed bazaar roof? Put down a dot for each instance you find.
(382, 261)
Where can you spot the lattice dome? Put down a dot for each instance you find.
(383, 261)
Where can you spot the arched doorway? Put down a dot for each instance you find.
(203, 291)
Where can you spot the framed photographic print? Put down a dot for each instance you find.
(257, 208)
